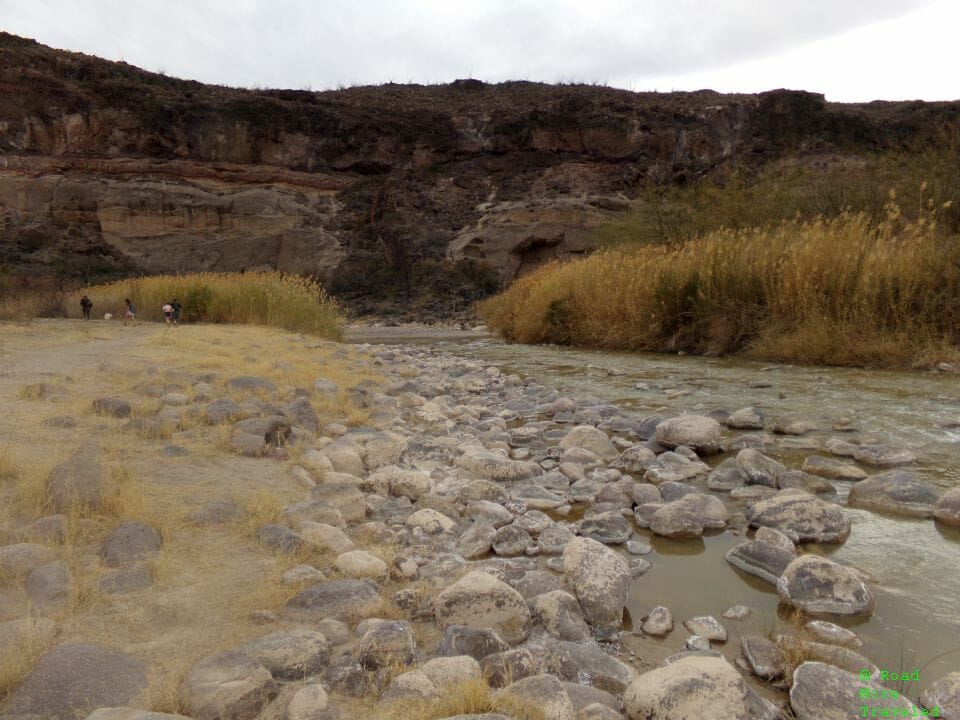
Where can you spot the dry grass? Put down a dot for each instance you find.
(471, 697)
(210, 582)
(21, 656)
(842, 291)
(270, 299)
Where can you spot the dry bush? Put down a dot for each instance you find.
(272, 299)
(843, 290)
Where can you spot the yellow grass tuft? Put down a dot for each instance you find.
(471, 697)
(843, 291)
(272, 299)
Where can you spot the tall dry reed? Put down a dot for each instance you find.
(272, 299)
(842, 290)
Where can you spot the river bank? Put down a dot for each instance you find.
(367, 530)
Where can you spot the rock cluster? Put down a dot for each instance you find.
(515, 519)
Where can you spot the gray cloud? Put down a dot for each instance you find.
(324, 43)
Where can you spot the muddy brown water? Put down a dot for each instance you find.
(916, 623)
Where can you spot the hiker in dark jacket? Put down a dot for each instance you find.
(86, 304)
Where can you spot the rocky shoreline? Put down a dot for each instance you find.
(480, 525)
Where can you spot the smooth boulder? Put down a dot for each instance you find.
(824, 692)
(897, 492)
(600, 579)
(698, 432)
(77, 674)
(801, 514)
(480, 600)
(227, 686)
(817, 585)
(690, 688)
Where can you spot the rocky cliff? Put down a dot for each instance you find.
(106, 169)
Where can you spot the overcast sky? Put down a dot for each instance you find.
(850, 50)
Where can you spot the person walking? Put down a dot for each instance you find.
(167, 312)
(175, 305)
(131, 312)
(86, 304)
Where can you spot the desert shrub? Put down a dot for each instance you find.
(841, 290)
(273, 299)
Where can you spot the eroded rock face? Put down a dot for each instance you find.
(690, 688)
(818, 585)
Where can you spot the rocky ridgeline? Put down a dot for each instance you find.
(515, 513)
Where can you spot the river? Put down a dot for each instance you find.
(916, 623)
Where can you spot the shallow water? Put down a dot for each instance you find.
(916, 562)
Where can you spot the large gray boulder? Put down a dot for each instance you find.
(817, 585)
(944, 694)
(491, 466)
(947, 509)
(545, 692)
(748, 418)
(465, 640)
(290, 654)
(803, 515)
(761, 559)
(758, 469)
(558, 612)
(79, 482)
(476, 541)
(899, 492)
(600, 579)
(698, 432)
(78, 675)
(226, 686)
(824, 692)
(480, 600)
(830, 468)
(691, 688)
(575, 661)
(49, 585)
(883, 456)
(130, 542)
(592, 439)
(502, 668)
(386, 644)
(336, 599)
(19, 560)
(689, 516)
